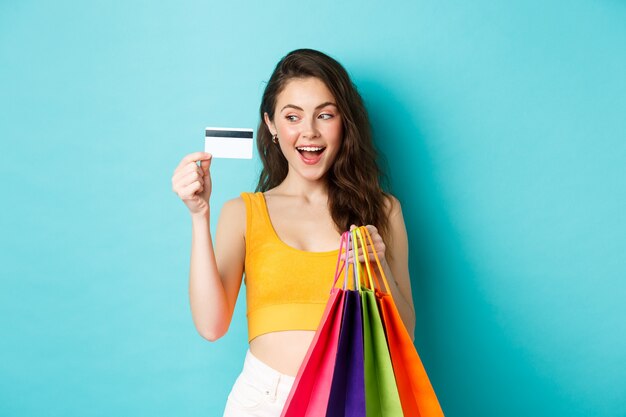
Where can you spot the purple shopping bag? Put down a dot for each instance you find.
(347, 393)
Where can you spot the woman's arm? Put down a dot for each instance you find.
(396, 267)
(215, 273)
(394, 258)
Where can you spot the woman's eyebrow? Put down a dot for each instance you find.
(293, 106)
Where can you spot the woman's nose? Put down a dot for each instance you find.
(310, 129)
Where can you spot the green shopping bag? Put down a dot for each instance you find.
(416, 392)
(381, 392)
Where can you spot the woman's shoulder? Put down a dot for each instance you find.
(239, 202)
(235, 207)
(392, 205)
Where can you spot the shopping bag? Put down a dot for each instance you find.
(311, 388)
(382, 398)
(416, 392)
(347, 395)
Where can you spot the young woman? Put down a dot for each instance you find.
(320, 177)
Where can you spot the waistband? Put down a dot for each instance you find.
(266, 375)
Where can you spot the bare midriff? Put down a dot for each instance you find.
(284, 351)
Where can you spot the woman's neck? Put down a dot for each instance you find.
(310, 190)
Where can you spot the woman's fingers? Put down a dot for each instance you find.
(193, 158)
(205, 165)
(372, 229)
(189, 163)
(188, 192)
(185, 170)
(375, 245)
(185, 179)
(189, 185)
(191, 180)
(370, 255)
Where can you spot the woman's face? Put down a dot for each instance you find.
(308, 125)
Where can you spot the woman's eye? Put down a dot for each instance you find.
(325, 116)
(291, 118)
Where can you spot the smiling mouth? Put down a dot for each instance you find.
(310, 154)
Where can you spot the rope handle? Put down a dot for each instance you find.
(355, 271)
(346, 243)
(343, 244)
(366, 242)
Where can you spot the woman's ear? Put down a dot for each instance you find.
(269, 123)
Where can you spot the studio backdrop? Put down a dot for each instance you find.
(504, 133)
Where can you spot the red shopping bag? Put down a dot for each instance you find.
(416, 392)
(311, 389)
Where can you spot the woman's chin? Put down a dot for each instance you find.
(312, 175)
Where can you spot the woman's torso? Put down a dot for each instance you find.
(305, 228)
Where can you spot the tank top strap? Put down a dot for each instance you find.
(258, 226)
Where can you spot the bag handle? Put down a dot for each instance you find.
(380, 267)
(356, 237)
(366, 242)
(349, 243)
(356, 268)
(343, 244)
(343, 265)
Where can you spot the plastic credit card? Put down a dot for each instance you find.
(228, 142)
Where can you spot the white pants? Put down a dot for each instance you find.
(259, 391)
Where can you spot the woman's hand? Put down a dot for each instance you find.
(379, 246)
(192, 183)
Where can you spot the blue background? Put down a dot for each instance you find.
(504, 130)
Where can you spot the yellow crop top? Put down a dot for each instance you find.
(286, 288)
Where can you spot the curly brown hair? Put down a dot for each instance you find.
(355, 181)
